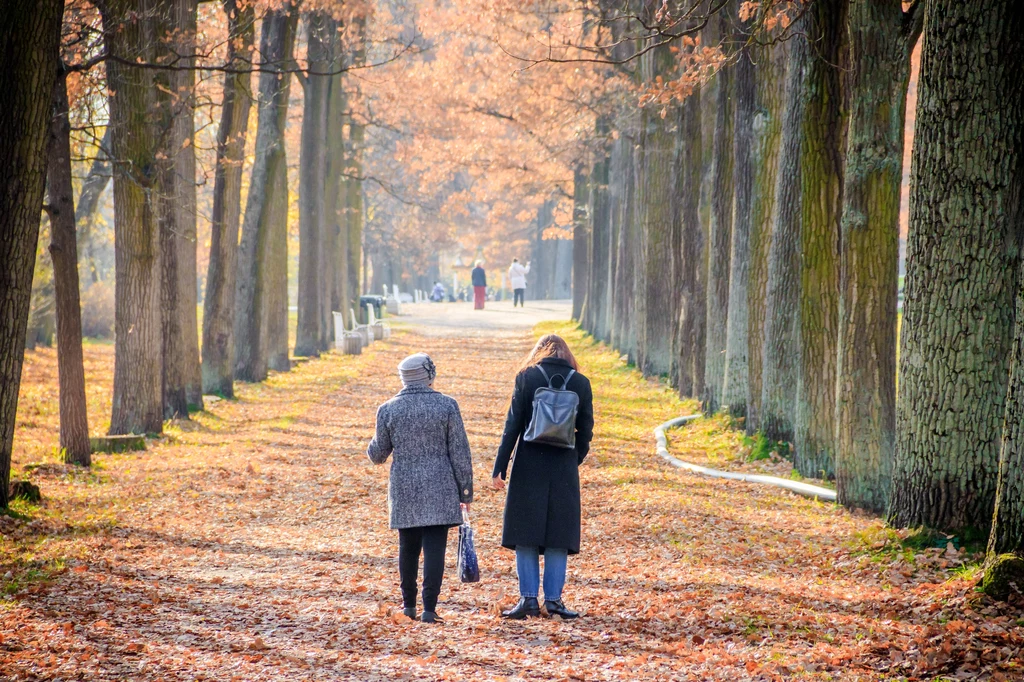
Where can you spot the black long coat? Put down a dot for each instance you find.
(542, 508)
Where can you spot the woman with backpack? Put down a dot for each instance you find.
(542, 508)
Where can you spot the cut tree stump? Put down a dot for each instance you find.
(126, 443)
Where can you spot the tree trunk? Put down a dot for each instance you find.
(692, 340)
(29, 41)
(312, 187)
(354, 185)
(335, 197)
(718, 244)
(623, 322)
(219, 302)
(1008, 519)
(821, 173)
(354, 211)
(138, 357)
(176, 160)
(734, 383)
(74, 423)
(580, 241)
(563, 269)
(89, 200)
(869, 254)
(781, 354)
(962, 256)
(656, 314)
(266, 208)
(600, 227)
(771, 72)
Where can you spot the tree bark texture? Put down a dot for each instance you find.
(312, 187)
(781, 354)
(719, 241)
(623, 325)
(771, 76)
(335, 196)
(93, 186)
(656, 314)
(563, 269)
(29, 41)
(734, 382)
(219, 303)
(176, 160)
(334, 160)
(691, 280)
(962, 256)
(869, 254)
(266, 206)
(354, 185)
(600, 229)
(580, 241)
(138, 357)
(1008, 519)
(74, 423)
(354, 210)
(821, 173)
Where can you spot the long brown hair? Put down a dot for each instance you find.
(549, 346)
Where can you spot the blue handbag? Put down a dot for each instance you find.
(469, 568)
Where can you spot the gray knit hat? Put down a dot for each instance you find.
(417, 370)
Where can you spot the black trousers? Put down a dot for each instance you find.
(433, 541)
(518, 295)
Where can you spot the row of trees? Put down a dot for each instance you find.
(146, 55)
(739, 234)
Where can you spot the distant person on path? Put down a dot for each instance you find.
(517, 279)
(542, 508)
(479, 286)
(437, 295)
(431, 478)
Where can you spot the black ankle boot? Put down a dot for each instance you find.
(410, 613)
(557, 608)
(526, 608)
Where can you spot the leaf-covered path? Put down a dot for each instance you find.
(252, 544)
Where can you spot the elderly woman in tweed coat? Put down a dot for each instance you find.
(431, 477)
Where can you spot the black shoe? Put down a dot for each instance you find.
(526, 608)
(557, 608)
(431, 617)
(410, 613)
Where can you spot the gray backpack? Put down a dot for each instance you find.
(554, 414)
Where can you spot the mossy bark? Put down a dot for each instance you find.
(869, 253)
(962, 266)
(623, 326)
(823, 144)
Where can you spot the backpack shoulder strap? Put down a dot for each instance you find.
(546, 377)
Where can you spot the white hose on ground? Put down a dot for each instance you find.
(804, 489)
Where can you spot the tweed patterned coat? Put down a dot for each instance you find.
(432, 470)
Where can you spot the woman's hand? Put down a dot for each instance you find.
(465, 506)
(498, 483)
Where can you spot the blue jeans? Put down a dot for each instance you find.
(528, 568)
